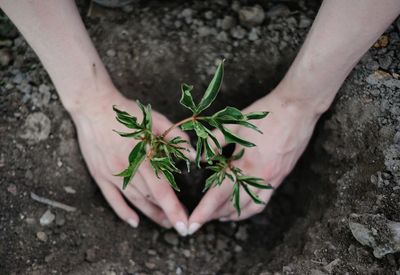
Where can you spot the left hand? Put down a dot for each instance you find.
(287, 130)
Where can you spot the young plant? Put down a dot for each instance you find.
(163, 152)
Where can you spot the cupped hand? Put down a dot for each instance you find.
(106, 153)
(287, 130)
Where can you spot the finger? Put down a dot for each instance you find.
(252, 208)
(146, 207)
(166, 199)
(117, 203)
(208, 206)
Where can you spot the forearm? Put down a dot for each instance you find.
(342, 32)
(56, 33)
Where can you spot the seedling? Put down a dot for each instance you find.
(163, 151)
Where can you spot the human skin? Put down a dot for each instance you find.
(342, 32)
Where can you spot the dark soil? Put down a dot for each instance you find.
(351, 166)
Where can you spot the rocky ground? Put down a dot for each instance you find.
(337, 213)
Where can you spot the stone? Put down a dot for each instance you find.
(6, 57)
(376, 232)
(235, 5)
(41, 236)
(205, 31)
(251, 16)
(90, 255)
(382, 42)
(36, 128)
(372, 65)
(60, 219)
(12, 188)
(253, 34)
(187, 13)
(111, 53)
(69, 190)
(209, 15)
(238, 32)
(150, 265)
(241, 233)
(304, 22)
(385, 62)
(171, 238)
(278, 11)
(47, 218)
(228, 22)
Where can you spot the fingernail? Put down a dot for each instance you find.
(181, 228)
(224, 219)
(193, 228)
(132, 223)
(166, 223)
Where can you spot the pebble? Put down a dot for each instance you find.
(253, 34)
(90, 255)
(304, 22)
(241, 234)
(69, 190)
(382, 42)
(278, 11)
(60, 219)
(186, 253)
(187, 13)
(238, 32)
(372, 65)
(205, 31)
(111, 53)
(5, 57)
(235, 5)
(228, 22)
(47, 218)
(251, 16)
(385, 62)
(150, 265)
(36, 128)
(41, 236)
(222, 36)
(12, 188)
(171, 238)
(209, 15)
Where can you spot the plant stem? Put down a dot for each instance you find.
(192, 118)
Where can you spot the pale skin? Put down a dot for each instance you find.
(341, 33)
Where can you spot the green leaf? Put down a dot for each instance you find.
(126, 173)
(130, 135)
(215, 140)
(146, 110)
(232, 138)
(186, 98)
(209, 152)
(200, 129)
(252, 195)
(241, 122)
(187, 126)
(136, 157)
(199, 147)
(236, 198)
(229, 113)
(212, 90)
(256, 115)
(177, 140)
(238, 155)
(256, 182)
(170, 177)
(126, 119)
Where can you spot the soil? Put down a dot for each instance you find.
(352, 164)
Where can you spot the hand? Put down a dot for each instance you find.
(106, 153)
(287, 130)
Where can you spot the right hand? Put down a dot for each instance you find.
(106, 153)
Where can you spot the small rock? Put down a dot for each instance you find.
(209, 15)
(228, 22)
(376, 232)
(329, 267)
(238, 32)
(171, 238)
(385, 62)
(150, 265)
(69, 190)
(317, 272)
(278, 11)
(127, 8)
(205, 31)
(90, 255)
(251, 16)
(241, 234)
(186, 253)
(5, 57)
(382, 42)
(235, 5)
(304, 22)
(379, 78)
(222, 36)
(37, 128)
(372, 65)
(187, 13)
(41, 236)
(47, 218)
(12, 188)
(111, 53)
(253, 34)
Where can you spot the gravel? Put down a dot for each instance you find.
(251, 16)
(47, 218)
(36, 128)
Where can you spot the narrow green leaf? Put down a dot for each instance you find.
(236, 198)
(199, 150)
(136, 157)
(256, 115)
(177, 140)
(130, 135)
(229, 113)
(241, 122)
(212, 90)
(215, 140)
(146, 110)
(238, 155)
(232, 138)
(209, 152)
(170, 177)
(200, 129)
(256, 182)
(186, 98)
(252, 195)
(126, 173)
